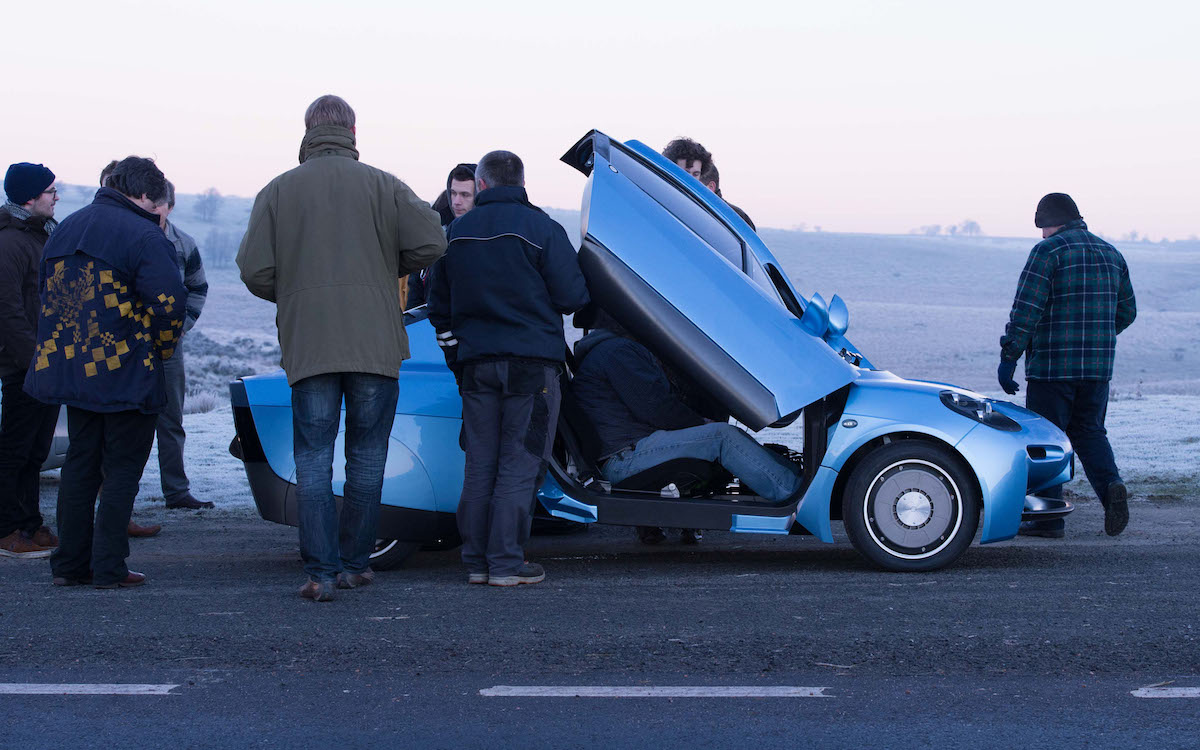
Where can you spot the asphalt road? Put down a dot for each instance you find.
(1030, 642)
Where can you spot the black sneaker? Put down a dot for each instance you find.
(1116, 508)
(650, 535)
(690, 536)
(1053, 529)
(527, 573)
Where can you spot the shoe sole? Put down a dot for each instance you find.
(477, 578)
(36, 554)
(1116, 514)
(69, 582)
(1044, 534)
(515, 580)
(121, 585)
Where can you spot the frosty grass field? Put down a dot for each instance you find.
(930, 308)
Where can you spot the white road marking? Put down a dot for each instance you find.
(1181, 692)
(646, 691)
(28, 688)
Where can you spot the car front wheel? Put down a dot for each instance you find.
(911, 506)
(391, 553)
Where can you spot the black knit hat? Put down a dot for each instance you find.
(26, 181)
(1054, 210)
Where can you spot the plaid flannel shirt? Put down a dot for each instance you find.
(1073, 298)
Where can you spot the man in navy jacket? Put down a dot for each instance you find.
(112, 309)
(508, 277)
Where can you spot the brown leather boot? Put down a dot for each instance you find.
(45, 537)
(135, 530)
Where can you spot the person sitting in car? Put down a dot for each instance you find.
(642, 422)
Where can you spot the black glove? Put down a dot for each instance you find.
(1004, 373)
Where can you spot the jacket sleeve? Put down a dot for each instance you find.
(1126, 303)
(194, 279)
(1033, 290)
(422, 240)
(159, 288)
(256, 256)
(560, 271)
(643, 387)
(17, 339)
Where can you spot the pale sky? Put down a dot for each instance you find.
(854, 116)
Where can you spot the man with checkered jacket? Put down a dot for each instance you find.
(1073, 298)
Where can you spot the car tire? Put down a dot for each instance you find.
(390, 554)
(911, 506)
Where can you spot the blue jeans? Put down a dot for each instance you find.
(1078, 408)
(767, 474)
(331, 544)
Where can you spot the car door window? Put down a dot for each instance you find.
(683, 207)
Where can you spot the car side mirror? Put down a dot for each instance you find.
(816, 316)
(839, 318)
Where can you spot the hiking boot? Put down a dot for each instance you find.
(128, 582)
(18, 545)
(187, 502)
(44, 537)
(690, 536)
(477, 577)
(1052, 529)
(354, 580)
(527, 573)
(318, 591)
(1116, 508)
(650, 535)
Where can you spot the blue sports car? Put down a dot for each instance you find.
(911, 468)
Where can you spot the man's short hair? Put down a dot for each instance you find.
(104, 173)
(462, 173)
(329, 110)
(501, 168)
(710, 174)
(135, 176)
(170, 194)
(688, 151)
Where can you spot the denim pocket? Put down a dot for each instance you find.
(526, 378)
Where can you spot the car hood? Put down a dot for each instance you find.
(678, 268)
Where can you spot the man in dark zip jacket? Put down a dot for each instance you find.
(508, 277)
(26, 424)
(112, 309)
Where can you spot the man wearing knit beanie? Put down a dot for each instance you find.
(26, 424)
(1072, 300)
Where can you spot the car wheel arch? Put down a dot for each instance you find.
(847, 468)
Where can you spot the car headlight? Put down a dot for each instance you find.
(980, 410)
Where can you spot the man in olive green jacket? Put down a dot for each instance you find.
(327, 242)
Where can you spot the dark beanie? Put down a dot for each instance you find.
(1054, 210)
(26, 181)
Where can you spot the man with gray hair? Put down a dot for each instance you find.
(508, 277)
(171, 436)
(326, 242)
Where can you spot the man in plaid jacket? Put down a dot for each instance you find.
(1073, 298)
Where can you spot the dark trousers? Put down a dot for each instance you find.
(26, 433)
(510, 414)
(107, 454)
(169, 430)
(1078, 408)
(331, 543)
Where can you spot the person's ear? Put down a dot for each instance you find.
(480, 185)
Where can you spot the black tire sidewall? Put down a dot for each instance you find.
(394, 557)
(859, 484)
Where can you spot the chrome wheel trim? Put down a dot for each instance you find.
(383, 546)
(916, 482)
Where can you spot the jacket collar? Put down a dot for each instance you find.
(1074, 224)
(16, 216)
(503, 194)
(328, 140)
(110, 197)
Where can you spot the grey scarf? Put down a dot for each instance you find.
(20, 213)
